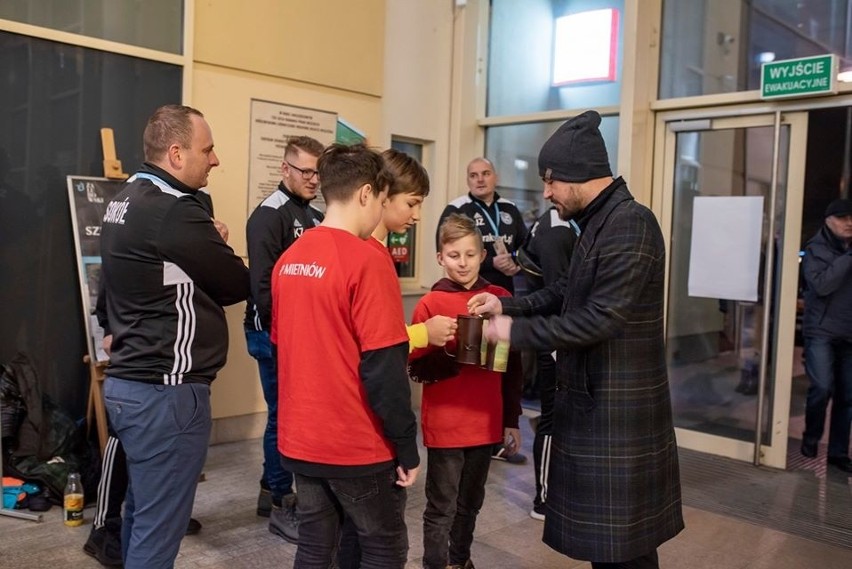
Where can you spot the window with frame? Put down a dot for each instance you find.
(712, 47)
(522, 82)
(153, 24)
(403, 246)
(54, 99)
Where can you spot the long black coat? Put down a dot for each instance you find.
(614, 487)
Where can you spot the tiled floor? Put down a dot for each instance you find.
(234, 538)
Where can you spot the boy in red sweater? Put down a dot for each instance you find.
(465, 414)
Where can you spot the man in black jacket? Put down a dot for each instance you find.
(104, 542)
(274, 225)
(827, 329)
(167, 274)
(496, 218)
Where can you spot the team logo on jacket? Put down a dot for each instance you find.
(297, 229)
(116, 211)
(477, 218)
(506, 217)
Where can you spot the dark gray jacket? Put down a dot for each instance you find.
(827, 269)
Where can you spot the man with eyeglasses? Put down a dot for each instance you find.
(274, 225)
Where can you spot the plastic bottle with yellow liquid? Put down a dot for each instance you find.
(72, 512)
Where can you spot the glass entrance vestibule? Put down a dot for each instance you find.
(739, 191)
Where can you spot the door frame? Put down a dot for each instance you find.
(668, 125)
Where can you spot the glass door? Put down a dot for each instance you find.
(731, 212)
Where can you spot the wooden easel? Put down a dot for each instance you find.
(95, 408)
(112, 165)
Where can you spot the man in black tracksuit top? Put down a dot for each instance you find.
(495, 218)
(167, 274)
(274, 225)
(104, 542)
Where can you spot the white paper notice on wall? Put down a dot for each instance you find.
(724, 256)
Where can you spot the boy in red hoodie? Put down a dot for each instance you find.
(465, 409)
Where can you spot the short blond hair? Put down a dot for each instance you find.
(457, 226)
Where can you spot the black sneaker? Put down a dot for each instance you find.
(809, 449)
(283, 521)
(105, 546)
(193, 527)
(537, 513)
(841, 462)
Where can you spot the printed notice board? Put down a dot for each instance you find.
(88, 198)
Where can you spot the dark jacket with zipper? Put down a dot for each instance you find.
(167, 274)
(827, 269)
(273, 226)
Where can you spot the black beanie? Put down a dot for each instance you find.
(840, 208)
(575, 152)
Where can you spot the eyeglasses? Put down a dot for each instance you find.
(306, 173)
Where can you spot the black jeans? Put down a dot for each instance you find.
(650, 561)
(374, 504)
(455, 490)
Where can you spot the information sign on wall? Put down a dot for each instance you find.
(271, 125)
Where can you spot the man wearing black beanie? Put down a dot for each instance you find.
(614, 492)
(827, 329)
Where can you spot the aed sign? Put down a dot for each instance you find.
(400, 254)
(806, 76)
(398, 247)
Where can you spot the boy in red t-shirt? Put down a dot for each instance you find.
(464, 415)
(345, 420)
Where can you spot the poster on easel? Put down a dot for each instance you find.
(88, 198)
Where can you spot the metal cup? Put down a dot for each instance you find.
(468, 339)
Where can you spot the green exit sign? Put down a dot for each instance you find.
(799, 77)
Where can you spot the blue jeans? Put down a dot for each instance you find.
(165, 431)
(455, 491)
(374, 504)
(828, 363)
(275, 477)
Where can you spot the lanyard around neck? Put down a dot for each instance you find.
(494, 226)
